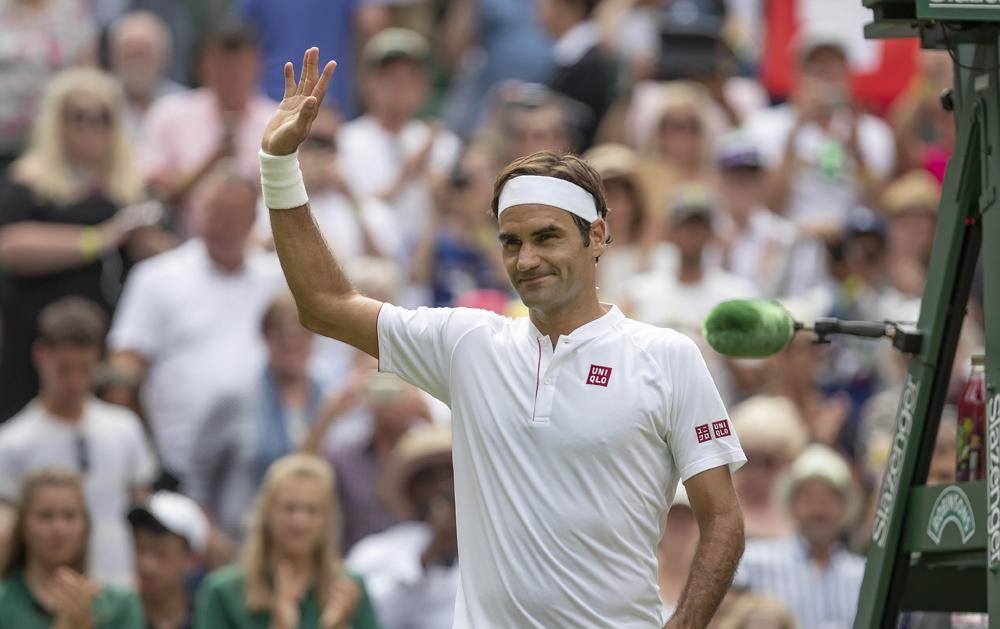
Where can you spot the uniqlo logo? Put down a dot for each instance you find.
(703, 433)
(721, 428)
(599, 375)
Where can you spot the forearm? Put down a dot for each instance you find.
(32, 248)
(316, 280)
(716, 557)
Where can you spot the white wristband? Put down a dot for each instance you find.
(281, 181)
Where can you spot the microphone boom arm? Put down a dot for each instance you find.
(905, 338)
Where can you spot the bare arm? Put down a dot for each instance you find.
(35, 248)
(327, 302)
(720, 547)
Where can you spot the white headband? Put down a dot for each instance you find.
(532, 189)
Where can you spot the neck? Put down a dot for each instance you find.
(293, 386)
(821, 552)
(228, 263)
(37, 574)
(392, 124)
(689, 270)
(563, 320)
(301, 564)
(63, 408)
(166, 609)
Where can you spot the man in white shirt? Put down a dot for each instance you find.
(571, 427)
(388, 152)
(65, 426)
(824, 157)
(187, 327)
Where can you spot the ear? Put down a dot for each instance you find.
(598, 236)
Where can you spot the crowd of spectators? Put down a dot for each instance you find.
(176, 450)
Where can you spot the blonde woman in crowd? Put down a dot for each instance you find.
(291, 575)
(44, 584)
(61, 229)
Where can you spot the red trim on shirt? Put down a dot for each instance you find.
(378, 350)
(538, 373)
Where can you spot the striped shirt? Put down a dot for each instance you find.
(819, 598)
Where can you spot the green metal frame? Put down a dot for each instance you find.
(938, 548)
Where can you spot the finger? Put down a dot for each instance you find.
(324, 81)
(307, 114)
(303, 73)
(289, 71)
(312, 75)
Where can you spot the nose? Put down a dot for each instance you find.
(527, 258)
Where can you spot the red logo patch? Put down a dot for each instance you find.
(721, 428)
(703, 433)
(599, 375)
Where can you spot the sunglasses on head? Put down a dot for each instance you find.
(96, 118)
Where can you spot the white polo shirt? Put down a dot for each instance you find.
(566, 460)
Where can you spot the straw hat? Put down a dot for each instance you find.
(612, 160)
(422, 447)
(770, 421)
(917, 191)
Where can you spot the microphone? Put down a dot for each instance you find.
(749, 328)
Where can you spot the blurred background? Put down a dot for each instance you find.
(149, 348)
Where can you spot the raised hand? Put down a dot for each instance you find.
(291, 122)
(72, 595)
(344, 596)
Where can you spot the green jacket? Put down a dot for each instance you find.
(114, 608)
(221, 604)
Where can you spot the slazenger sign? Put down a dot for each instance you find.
(993, 482)
(890, 484)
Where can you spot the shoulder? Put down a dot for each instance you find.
(177, 105)
(116, 599)
(227, 581)
(770, 552)
(662, 343)
(359, 129)
(21, 427)
(386, 547)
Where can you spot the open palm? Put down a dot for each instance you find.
(291, 122)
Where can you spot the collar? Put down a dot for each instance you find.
(575, 43)
(589, 330)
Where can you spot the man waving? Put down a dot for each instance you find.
(572, 427)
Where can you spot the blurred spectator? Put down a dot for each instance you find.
(188, 329)
(186, 135)
(411, 569)
(44, 582)
(910, 207)
(583, 71)
(772, 434)
(530, 118)
(630, 221)
(171, 536)
(490, 41)
(353, 225)
(291, 573)
(40, 38)
(288, 28)
(810, 572)
(925, 132)
(824, 156)
(248, 429)
(396, 407)
(66, 426)
(756, 242)
(139, 50)
(675, 552)
(389, 152)
(682, 296)
(61, 231)
(8, 515)
(458, 251)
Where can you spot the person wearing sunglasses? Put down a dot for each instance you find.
(66, 426)
(71, 221)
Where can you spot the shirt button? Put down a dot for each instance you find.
(548, 381)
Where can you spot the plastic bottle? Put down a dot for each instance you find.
(970, 463)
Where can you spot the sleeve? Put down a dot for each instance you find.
(209, 607)
(700, 433)
(134, 327)
(417, 345)
(364, 615)
(131, 614)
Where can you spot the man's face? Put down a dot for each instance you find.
(426, 484)
(545, 259)
(163, 562)
(826, 64)
(138, 61)
(66, 371)
(397, 89)
(691, 236)
(227, 218)
(232, 75)
(539, 129)
(741, 190)
(818, 510)
(911, 234)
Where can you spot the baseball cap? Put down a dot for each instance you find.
(173, 513)
(395, 43)
(736, 151)
(691, 201)
(917, 191)
(808, 41)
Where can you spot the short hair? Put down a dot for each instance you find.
(283, 302)
(72, 321)
(232, 35)
(567, 167)
(146, 22)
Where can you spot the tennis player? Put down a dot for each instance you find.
(572, 427)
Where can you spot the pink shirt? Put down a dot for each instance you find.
(182, 131)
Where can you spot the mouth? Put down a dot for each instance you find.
(530, 281)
